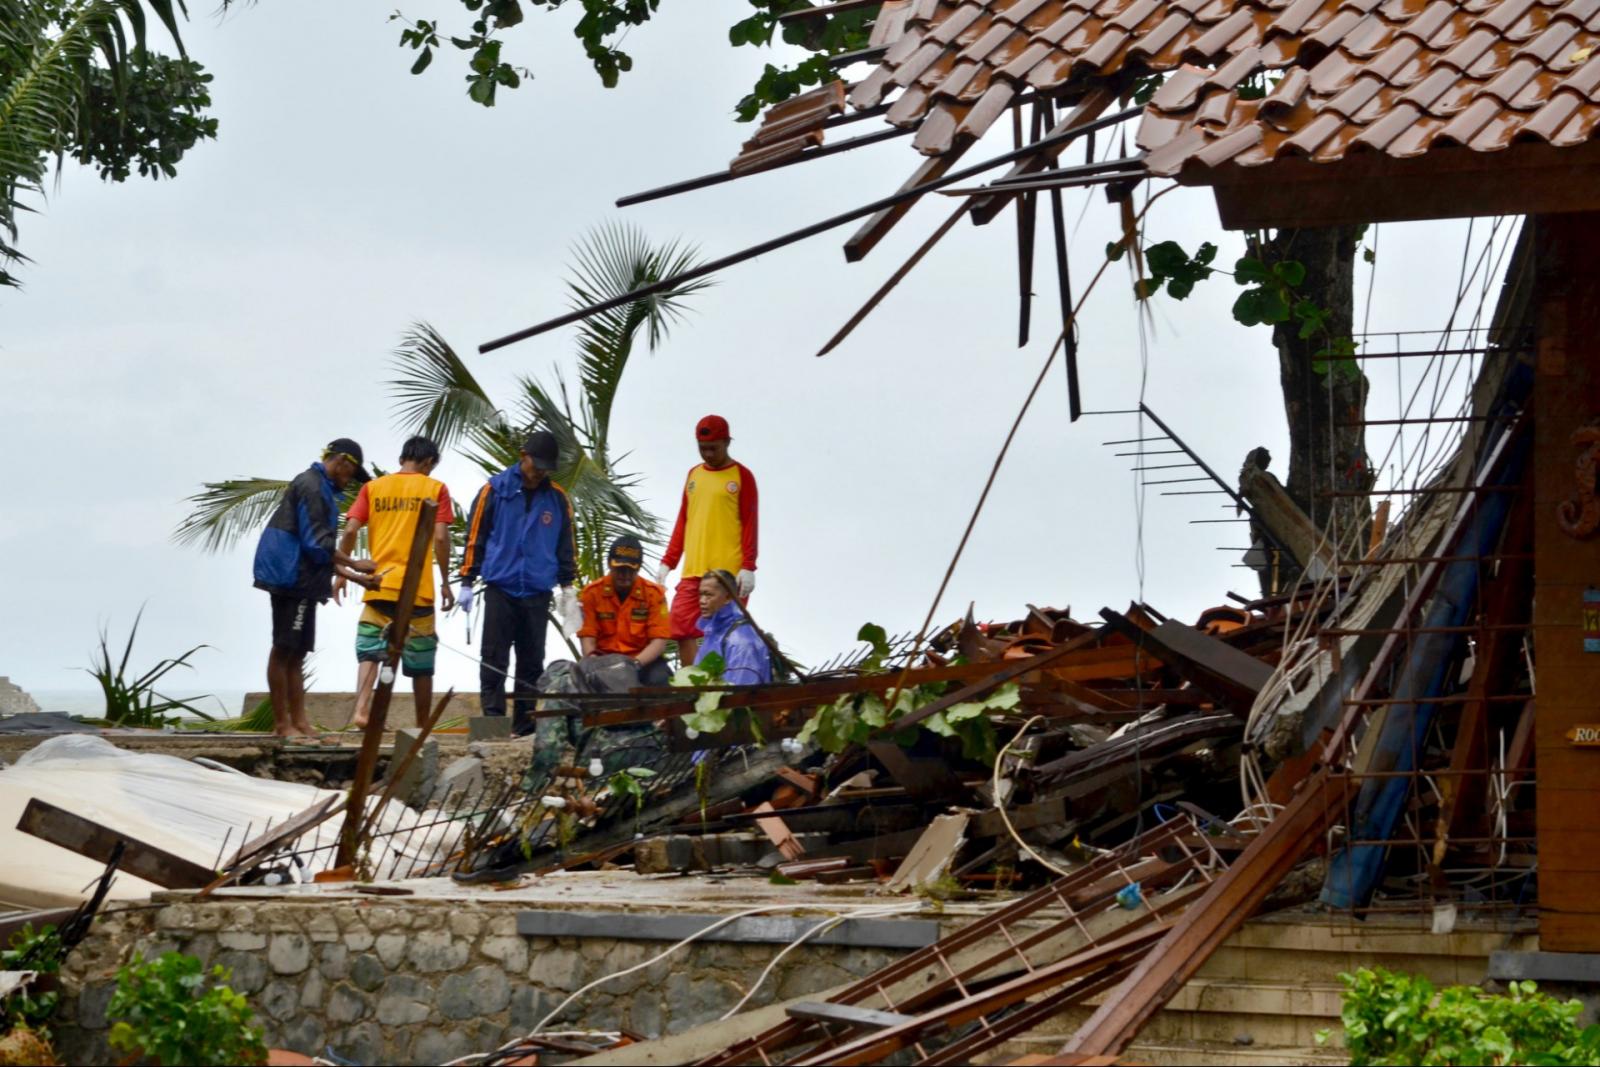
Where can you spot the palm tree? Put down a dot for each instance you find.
(50, 51)
(435, 394)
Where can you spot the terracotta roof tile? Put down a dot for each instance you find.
(1401, 77)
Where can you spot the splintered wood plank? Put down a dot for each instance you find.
(931, 856)
(846, 1014)
(88, 838)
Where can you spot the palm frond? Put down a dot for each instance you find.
(434, 392)
(51, 51)
(225, 512)
(613, 259)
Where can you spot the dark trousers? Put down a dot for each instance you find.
(512, 622)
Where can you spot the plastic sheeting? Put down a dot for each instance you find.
(171, 803)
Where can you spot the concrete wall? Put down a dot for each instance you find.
(425, 982)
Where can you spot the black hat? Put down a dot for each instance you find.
(542, 447)
(343, 446)
(626, 551)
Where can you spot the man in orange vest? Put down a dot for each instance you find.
(716, 530)
(625, 614)
(388, 508)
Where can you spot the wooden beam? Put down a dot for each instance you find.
(1525, 179)
(399, 630)
(88, 838)
(819, 1011)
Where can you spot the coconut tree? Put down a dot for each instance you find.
(76, 79)
(436, 394)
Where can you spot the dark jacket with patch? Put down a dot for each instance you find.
(294, 556)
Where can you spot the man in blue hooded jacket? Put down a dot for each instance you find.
(521, 542)
(295, 562)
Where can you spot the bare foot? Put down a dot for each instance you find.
(359, 723)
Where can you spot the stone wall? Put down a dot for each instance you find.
(427, 981)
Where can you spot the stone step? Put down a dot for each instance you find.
(1312, 967)
(1178, 1053)
(1224, 1011)
(1217, 1053)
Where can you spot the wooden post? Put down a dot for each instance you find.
(399, 628)
(1566, 578)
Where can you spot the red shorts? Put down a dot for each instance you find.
(686, 609)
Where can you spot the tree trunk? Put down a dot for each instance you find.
(1324, 398)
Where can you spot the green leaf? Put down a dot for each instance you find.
(1274, 306)
(936, 723)
(1291, 272)
(1250, 270)
(1115, 250)
(1005, 698)
(1247, 307)
(1167, 258)
(968, 709)
(874, 635)
(873, 712)
(422, 61)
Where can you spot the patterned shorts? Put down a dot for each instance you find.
(422, 643)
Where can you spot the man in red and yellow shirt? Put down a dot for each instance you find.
(716, 530)
(626, 615)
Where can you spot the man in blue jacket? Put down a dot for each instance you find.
(521, 542)
(295, 562)
(746, 660)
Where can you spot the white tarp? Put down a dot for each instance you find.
(164, 801)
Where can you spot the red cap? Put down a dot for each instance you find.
(711, 428)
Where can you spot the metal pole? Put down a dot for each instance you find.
(812, 230)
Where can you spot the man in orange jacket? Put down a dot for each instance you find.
(625, 614)
(716, 530)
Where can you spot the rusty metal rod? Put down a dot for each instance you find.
(833, 222)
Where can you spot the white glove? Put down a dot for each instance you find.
(747, 583)
(661, 575)
(568, 613)
(464, 598)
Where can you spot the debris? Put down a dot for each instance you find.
(932, 855)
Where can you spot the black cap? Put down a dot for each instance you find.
(626, 551)
(542, 447)
(343, 446)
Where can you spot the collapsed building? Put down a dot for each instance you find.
(1395, 737)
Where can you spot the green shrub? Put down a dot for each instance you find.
(30, 950)
(165, 1012)
(133, 701)
(1401, 1019)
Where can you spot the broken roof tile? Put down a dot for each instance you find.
(1399, 77)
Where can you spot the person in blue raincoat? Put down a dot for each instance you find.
(728, 633)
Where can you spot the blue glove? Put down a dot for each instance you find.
(464, 597)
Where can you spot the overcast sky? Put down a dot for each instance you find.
(231, 321)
